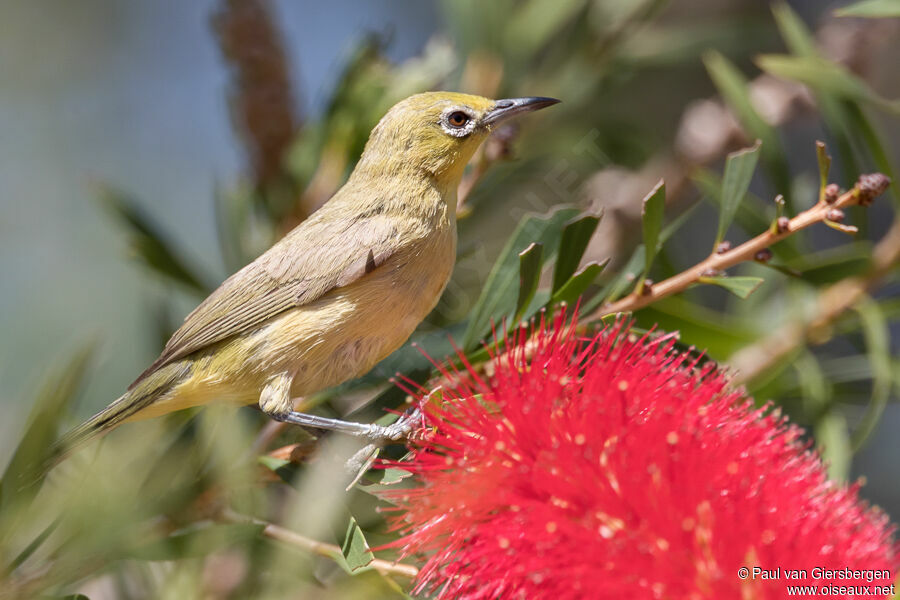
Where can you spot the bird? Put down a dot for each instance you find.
(338, 293)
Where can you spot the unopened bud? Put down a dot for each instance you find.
(764, 255)
(712, 273)
(835, 215)
(871, 186)
(832, 191)
(783, 224)
(723, 247)
(647, 287)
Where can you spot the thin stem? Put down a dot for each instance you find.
(720, 262)
(312, 546)
(751, 361)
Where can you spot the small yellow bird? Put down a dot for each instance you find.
(341, 291)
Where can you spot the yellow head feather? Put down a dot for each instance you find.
(434, 132)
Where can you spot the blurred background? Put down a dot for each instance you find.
(149, 149)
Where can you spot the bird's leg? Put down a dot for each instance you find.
(275, 400)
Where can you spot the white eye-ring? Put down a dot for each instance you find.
(457, 121)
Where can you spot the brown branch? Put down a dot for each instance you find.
(292, 538)
(754, 360)
(821, 212)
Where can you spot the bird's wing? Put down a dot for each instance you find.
(318, 256)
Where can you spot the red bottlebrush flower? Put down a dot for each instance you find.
(615, 467)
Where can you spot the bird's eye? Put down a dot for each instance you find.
(457, 119)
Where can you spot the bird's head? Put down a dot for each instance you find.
(437, 132)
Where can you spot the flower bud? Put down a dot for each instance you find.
(783, 224)
(764, 255)
(832, 191)
(835, 215)
(871, 186)
(723, 247)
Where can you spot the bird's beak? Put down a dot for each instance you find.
(509, 107)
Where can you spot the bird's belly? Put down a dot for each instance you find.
(346, 332)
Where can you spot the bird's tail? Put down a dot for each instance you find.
(138, 397)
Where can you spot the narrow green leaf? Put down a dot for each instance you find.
(355, 549)
(735, 91)
(578, 283)
(24, 472)
(824, 76)
(498, 298)
(197, 542)
(739, 167)
(273, 463)
(150, 243)
(388, 476)
(796, 35)
(832, 435)
(871, 9)
(878, 343)
(615, 288)
(677, 223)
(652, 213)
(833, 264)
(719, 334)
(575, 238)
(741, 287)
(873, 145)
(824, 164)
(800, 41)
(534, 23)
(531, 259)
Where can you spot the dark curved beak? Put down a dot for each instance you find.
(509, 107)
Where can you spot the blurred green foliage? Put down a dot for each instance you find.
(145, 513)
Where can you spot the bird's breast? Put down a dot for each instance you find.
(346, 332)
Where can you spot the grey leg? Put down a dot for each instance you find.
(276, 402)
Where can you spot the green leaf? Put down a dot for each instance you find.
(533, 24)
(149, 242)
(25, 470)
(531, 259)
(388, 476)
(878, 342)
(575, 238)
(498, 298)
(735, 91)
(355, 549)
(739, 167)
(578, 283)
(800, 41)
(832, 435)
(285, 469)
(824, 164)
(833, 264)
(677, 223)
(715, 332)
(874, 146)
(824, 76)
(794, 31)
(872, 9)
(652, 213)
(198, 542)
(627, 274)
(741, 287)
